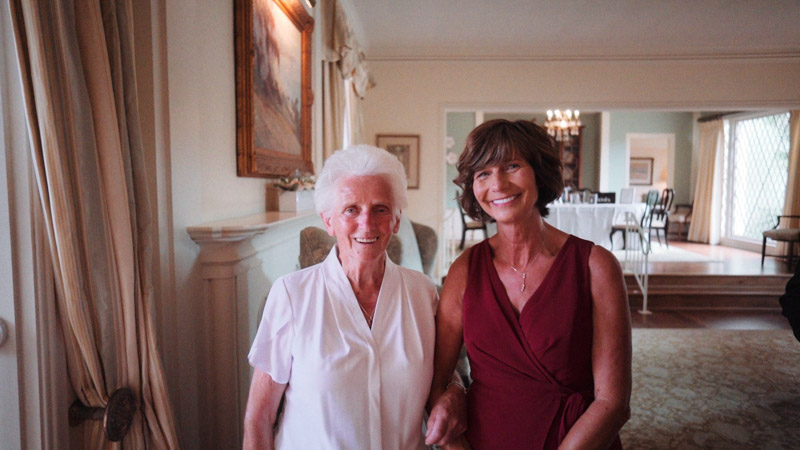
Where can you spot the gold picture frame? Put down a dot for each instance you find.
(273, 87)
(406, 148)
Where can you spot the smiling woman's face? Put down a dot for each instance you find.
(362, 218)
(507, 191)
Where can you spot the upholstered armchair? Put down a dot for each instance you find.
(315, 244)
(783, 234)
(679, 220)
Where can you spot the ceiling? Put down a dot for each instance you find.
(575, 29)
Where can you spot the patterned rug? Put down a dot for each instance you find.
(723, 389)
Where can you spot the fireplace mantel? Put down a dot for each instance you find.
(239, 260)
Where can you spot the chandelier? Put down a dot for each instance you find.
(561, 125)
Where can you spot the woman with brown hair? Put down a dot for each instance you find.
(543, 314)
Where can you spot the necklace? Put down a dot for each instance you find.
(367, 315)
(525, 274)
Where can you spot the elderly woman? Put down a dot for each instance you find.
(543, 314)
(348, 343)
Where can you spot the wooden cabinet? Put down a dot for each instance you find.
(570, 151)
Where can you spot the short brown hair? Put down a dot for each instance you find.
(501, 140)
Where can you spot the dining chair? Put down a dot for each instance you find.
(467, 224)
(659, 216)
(789, 235)
(626, 195)
(650, 202)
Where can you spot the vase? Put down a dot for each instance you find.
(290, 201)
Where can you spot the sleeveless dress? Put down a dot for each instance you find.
(532, 375)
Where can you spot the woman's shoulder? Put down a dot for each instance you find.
(302, 276)
(416, 278)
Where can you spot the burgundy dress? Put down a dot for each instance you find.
(532, 375)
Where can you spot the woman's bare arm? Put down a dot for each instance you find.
(262, 409)
(447, 406)
(611, 357)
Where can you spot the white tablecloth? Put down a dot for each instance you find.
(591, 222)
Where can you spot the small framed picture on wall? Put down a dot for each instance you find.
(641, 172)
(406, 148)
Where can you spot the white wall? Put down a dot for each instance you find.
(410, 96)
(202, 176)
(196, 150)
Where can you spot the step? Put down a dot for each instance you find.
(680, 291)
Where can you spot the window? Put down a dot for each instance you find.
(755, 175)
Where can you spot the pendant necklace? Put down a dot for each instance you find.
(367, 315)
(525, 273)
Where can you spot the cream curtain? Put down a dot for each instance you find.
(705, 225)
(791, 204)
(76, 67)
(345, 79)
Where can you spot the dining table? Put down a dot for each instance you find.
(591, 221)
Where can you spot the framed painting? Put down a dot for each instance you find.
(273, 87)
(406, 148)
(641, 172)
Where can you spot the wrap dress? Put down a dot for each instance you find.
(532, 374)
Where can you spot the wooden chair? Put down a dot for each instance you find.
(467, 224)
(659, 216)
(650, 203)
(790, 235)
(681, 217)
(626, 195)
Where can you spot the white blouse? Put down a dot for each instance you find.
(349, 386)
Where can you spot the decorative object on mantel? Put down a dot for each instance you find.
(295, 193)
(560, 124)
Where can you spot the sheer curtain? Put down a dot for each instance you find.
(76, 67)
(792, 203)
(705, 225)
(345, 80)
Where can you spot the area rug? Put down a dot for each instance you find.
(714, 389)
(671, 254)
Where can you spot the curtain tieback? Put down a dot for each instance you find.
(117, 416)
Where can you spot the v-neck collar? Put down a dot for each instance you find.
(535, 294)
(350, 302)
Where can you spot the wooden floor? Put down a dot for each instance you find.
(733, 262)
(736, 265)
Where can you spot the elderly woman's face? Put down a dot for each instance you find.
(362, 218)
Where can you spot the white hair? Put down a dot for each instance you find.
(360, 160)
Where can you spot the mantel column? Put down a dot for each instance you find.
(239, 260)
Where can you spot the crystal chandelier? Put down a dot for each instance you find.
(561, 125)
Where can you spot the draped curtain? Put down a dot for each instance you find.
(76, 65)
(705, 225)
(345, 80)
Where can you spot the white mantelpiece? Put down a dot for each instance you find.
(239, 260)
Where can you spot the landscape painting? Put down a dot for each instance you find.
(277, 76)
(273, 77)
